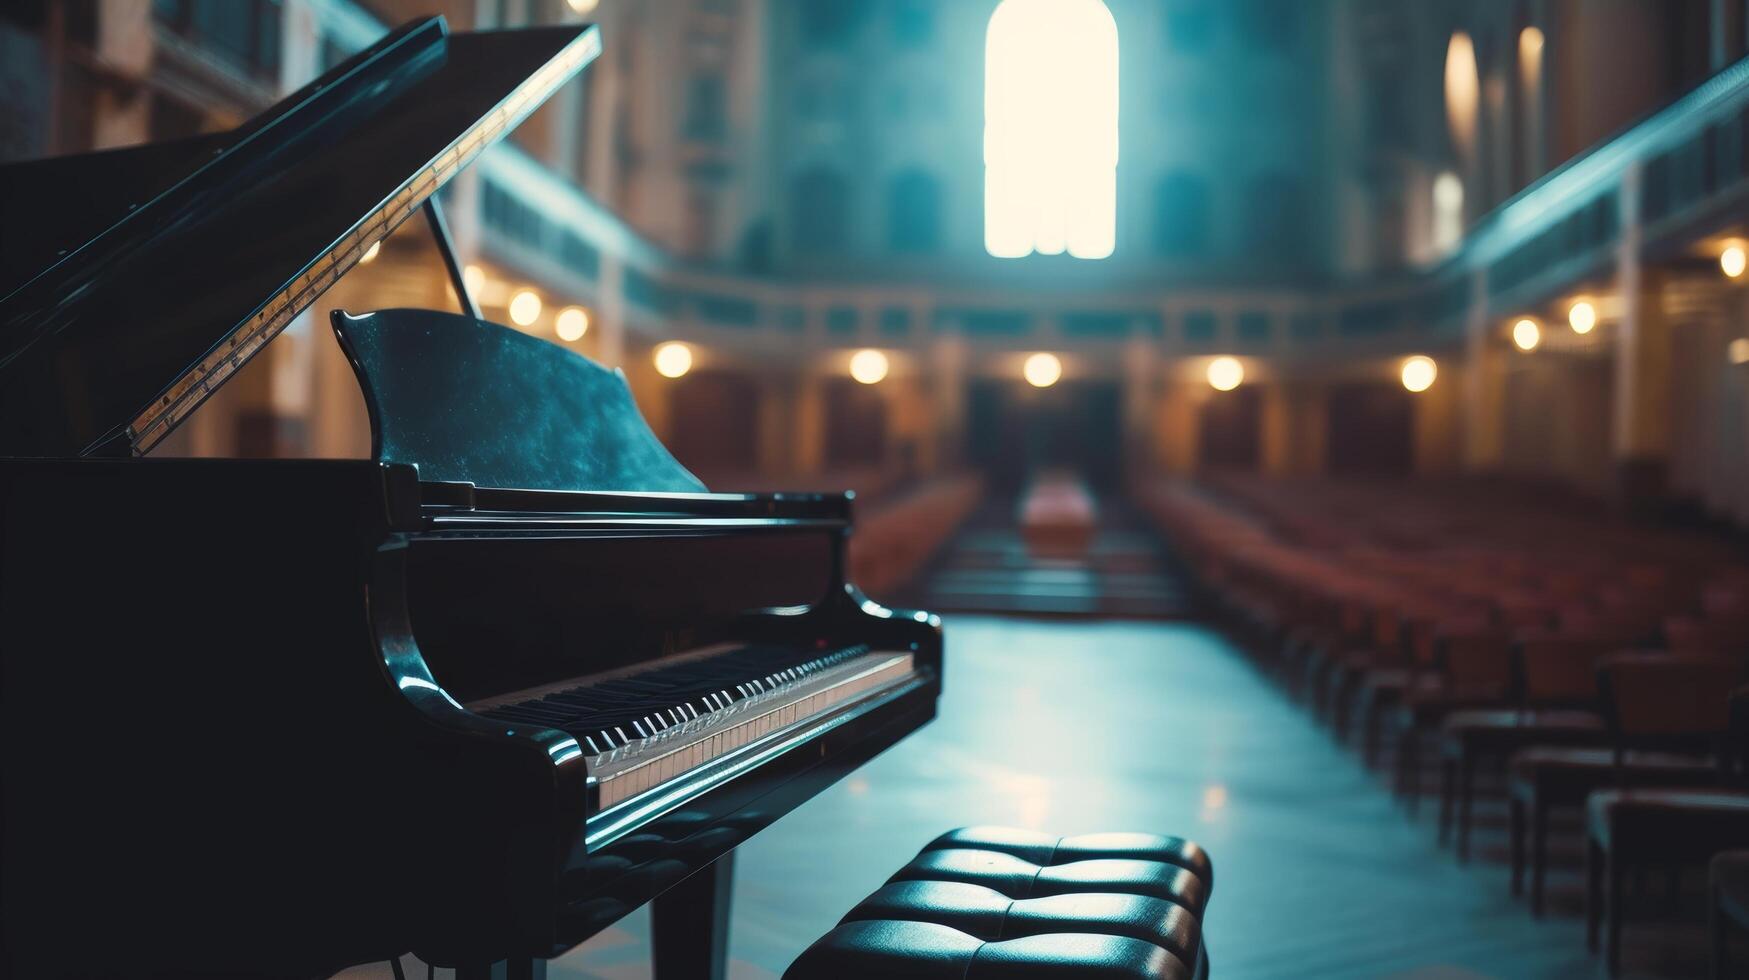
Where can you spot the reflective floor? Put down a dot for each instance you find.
(1076, 726)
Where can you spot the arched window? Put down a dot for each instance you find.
(1181, 215)
(819, 210)
(1050, 129)
(913, 212)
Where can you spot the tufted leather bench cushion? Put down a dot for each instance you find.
(1045, 849)
(994, 903)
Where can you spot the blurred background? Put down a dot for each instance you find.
(1373, 321)
(1316, 189)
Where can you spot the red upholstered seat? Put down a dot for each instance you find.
(1659, 699)
(1544, 777)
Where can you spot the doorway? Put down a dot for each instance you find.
(1014, 430)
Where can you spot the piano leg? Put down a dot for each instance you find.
(689, 924)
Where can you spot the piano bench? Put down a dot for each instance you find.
(993, 903)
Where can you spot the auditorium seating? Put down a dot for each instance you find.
(1673, 698)
(1480, 623)
(895, 538)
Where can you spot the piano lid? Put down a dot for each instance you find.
(126, 333)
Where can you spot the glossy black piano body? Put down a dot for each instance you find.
(252, 712)
(225, 713)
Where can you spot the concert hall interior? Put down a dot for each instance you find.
(1314, 432)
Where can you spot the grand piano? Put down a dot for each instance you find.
(477, 697)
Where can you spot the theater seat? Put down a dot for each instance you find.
(1674, 823)
(1546, 776)
(1483, 734)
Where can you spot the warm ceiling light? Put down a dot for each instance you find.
(1530, 42)
(1732, 260)
(673, 359)
(1526, 334)
(1738, 350)
(1582, 316)
(474, 278)
(583, 6)
(1042, 370)
(524, 307)
(868, 366)
(1462, 90)
(1419, 372)
(572, 323)
(371, 253)
(1226, 373)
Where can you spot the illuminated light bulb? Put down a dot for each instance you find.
(1582, 317)
(1526, 334)
(583, 6)
(474, 278)
(1733, 260)
(1530, 42)
(1738, 351)
(572, 323)
(1042, 370)
(1463, 88)
(673, 359)
(370, 253)
(1226, 373)
(524, 307)
(868, 366)
(1419, 372)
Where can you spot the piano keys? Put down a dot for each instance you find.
(477, 697)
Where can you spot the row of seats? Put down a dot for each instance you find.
(894, 538)
(1585, 663)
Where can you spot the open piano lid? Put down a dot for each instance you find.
(113, 345)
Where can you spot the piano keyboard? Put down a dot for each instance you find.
(709, 708)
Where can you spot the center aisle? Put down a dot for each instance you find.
(1076, 726)
(988, 568)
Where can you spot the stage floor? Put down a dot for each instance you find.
(1074, 726)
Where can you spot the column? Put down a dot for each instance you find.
(808, 443)
(777, 407)
(947, 393)
(1640, 429)
(1141, 382)
(610, 319)
(1483, 384)
(1725, 32)
(123, 114)
(1277, 424)
(1176, 427)
(1438, 443)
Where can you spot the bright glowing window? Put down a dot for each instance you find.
(1050, 129)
